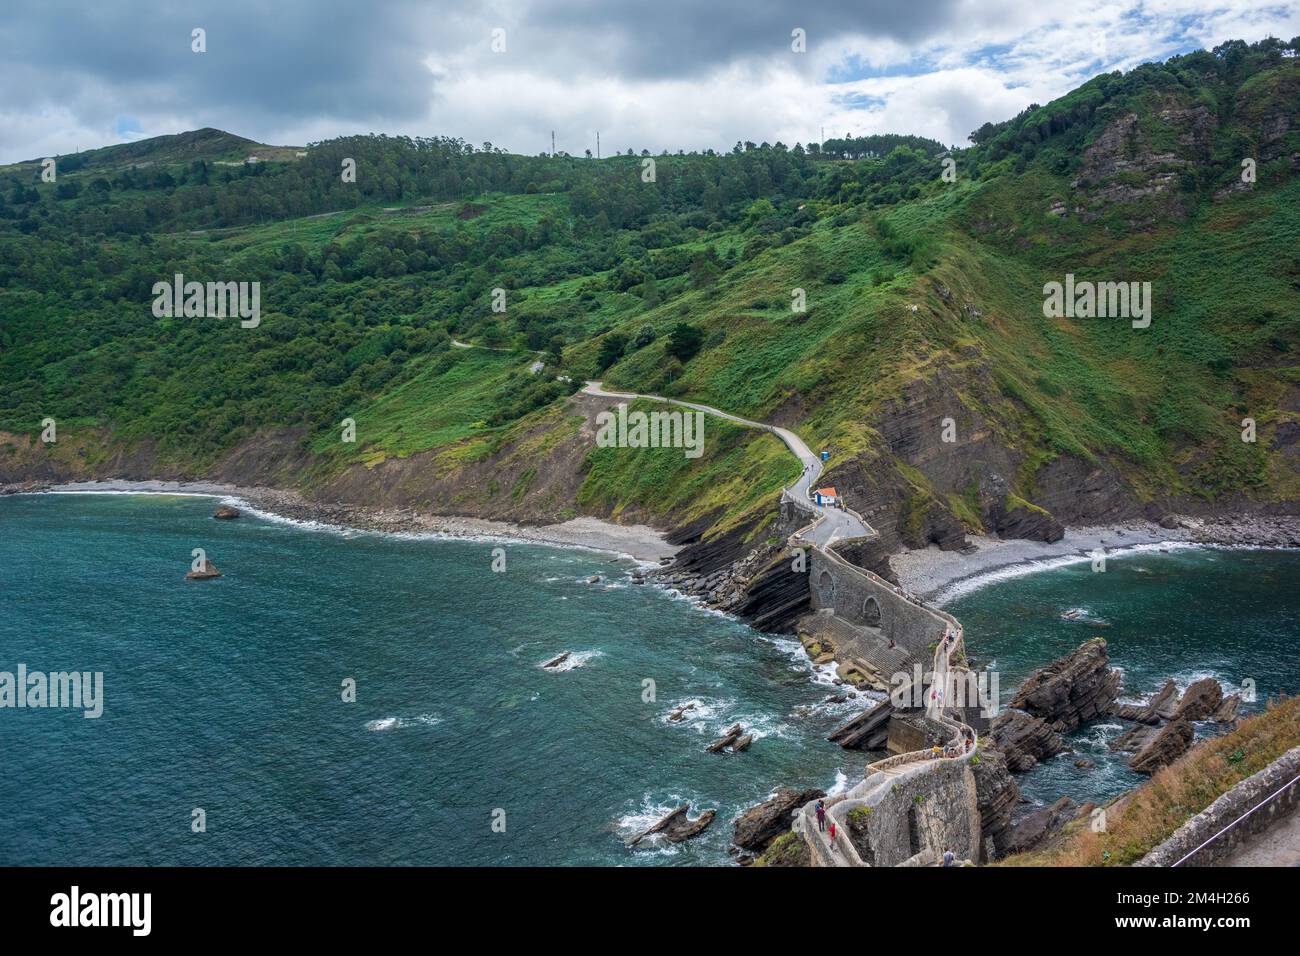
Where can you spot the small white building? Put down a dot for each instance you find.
(826, 496)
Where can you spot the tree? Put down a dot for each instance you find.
(555, 350)
(611, 350)
(684, 341)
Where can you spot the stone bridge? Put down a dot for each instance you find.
(909, 808)
(912, 806)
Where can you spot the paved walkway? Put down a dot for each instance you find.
(1279, 845)
(836, 523)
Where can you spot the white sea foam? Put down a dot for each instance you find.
(633, 824)
(840, 785)
(973, 583)
(574, 660)
(701, 716)
(398, 723)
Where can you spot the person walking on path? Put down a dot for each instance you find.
(832, 833)
(821, 816)
(948, 857)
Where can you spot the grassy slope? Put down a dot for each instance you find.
(1165, 404)
(1083, 387)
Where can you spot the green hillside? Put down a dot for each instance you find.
(924, 302)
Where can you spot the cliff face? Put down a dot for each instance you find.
(997, 794)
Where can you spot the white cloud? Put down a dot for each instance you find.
(675, 79)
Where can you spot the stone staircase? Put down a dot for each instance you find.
(863, 646)
(880, 778)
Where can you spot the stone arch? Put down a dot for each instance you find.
(871, 612)
(826, 587)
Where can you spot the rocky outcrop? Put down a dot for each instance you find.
(207, 572)
(1199, 701)
(867, 731)
(1123, 167)
(226, 513)
(1203, 700)
(759, 826)
(788, 850)
(1150, 712)
(1226, 713)
(1134, 739)
(733, 738)
(997, 795)
(677, 827)
(1035, 827)
(1023, 739)
(1163, 747)
(758, 586)
(1012, 517)
(1072, 690)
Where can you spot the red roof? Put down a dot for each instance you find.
(828, 492)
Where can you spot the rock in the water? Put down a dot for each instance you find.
(226, 513)
(742, 743)
(1226, 712)
(1152, 710)
(1200, 700)
(1163, 703)
(1134, 739)
(758, 826)
(208, 571)
(1035, 827)
(1076, 688)
(594, 579)
(680, 712)
(676, 826)
(1164, 747)
(729, 737)
(558, 659)
(1023, 739)
(1084, 763)
(867, 731)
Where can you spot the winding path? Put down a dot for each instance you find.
(835, 523)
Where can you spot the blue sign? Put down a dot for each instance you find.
(825, 455)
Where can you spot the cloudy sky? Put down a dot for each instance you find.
(655, 74)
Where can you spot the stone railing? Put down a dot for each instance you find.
(842, 852)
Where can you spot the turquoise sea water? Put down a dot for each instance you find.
(226, 695)
(1186, 614)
